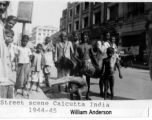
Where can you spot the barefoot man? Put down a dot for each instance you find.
(78, 87)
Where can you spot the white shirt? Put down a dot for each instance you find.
(3, 57)
(12, 51)
(106, 44)
(48, 54)
(23, 54)
(114, 47)
(101, 47)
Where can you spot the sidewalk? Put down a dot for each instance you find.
(63, 95)
(41, 95)
(33, 95)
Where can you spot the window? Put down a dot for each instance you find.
(77, 9)
(76, 26)
(85, 22)
(134, 7)
(44, 30)
(113, 12)
(69, 28)
(44, 34)
(70, 13)
(86, 5)
(47, 34)
(97, 17)
(64, 13)
(135, 10)
(39, 33)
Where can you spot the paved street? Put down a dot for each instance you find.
(135, 85)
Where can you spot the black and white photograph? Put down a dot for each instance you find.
(75, 50)
(91, 51)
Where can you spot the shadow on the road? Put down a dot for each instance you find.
(122, 98)
(62, 95)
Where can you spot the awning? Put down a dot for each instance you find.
(132, 33)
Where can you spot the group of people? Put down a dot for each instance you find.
(104, 59)
(31, 65)
(126, 57)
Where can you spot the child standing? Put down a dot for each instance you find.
(9, 34)
(37, 67)
(23, 55)
(108, 71)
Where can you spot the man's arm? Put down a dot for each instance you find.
(16, 58)
(63, 80)
(56, 53)
(118, 66)
(71, 47)
(16, 62)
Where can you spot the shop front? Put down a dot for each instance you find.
(136, 40)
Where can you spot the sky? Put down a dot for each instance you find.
(45, 12)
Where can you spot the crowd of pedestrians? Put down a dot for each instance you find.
(73, 60)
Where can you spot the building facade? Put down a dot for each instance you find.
(39, 33)
(125, 21)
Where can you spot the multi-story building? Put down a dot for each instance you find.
(63, 20)
(125, 21)
(39, 33)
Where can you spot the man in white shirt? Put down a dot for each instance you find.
(107, 42)
(6, 86)
(113, 45)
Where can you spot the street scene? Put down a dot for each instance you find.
(125, 89)
(88, 51)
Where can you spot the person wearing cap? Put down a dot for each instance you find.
(63, 48)
(6, 85)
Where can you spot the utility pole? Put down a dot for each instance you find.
(23, 28)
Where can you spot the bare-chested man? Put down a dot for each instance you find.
(77, 85)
